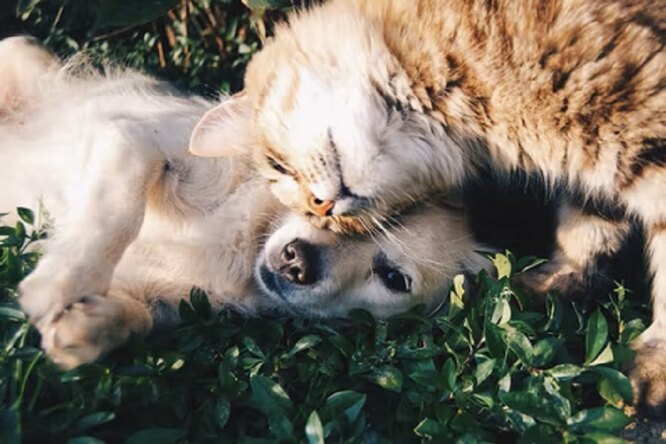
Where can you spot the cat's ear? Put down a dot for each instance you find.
(224, 130)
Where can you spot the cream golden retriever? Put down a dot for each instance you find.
(135, 221)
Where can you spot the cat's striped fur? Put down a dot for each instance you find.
(363, 106)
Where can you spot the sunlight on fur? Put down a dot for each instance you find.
(138, 221)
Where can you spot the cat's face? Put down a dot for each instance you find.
(316, 272)
(340, 138)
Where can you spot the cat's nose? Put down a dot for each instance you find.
(321, 207)
(298, 262)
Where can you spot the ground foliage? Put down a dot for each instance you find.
(201, 45)
(498, 366)
(495, 367)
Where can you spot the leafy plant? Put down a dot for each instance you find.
(199, 44)
(493, 366)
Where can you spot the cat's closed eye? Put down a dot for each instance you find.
(274, 164)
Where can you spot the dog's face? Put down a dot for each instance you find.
(318, 273)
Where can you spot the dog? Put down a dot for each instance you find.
(134, 222)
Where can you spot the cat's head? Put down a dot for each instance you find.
(334, 125)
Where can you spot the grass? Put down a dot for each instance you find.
(495, 367)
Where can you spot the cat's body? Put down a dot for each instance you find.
(362, 107)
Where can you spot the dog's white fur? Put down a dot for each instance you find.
(138, 221)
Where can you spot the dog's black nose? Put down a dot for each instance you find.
(298, 262)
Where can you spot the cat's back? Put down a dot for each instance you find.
(549, 75)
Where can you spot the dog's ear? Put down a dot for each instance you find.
(224, 130)
(23, 62)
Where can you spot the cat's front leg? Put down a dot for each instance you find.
(583, 240)
(105, 210)
(648, 374)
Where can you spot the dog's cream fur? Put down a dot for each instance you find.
(138, 222)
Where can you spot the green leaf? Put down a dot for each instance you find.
(269, 397)
(222, 412)
(347, 402)
(200, 303)
(554, 311)
(456, 296)
(485, 400)
(596, 336)
(26, 215)
(544, 351)
(94, 419)
(539, 404)
(501, 313)
(617, 380)
(269, 394)
(428, 428)
(253, 348)
(449, 374)
(565, 372)
(604, 357)
(157, 435)
(504, 384)
(519, 344)
(388, 377)
(314, 431)
(25, 7)
(604, 419)
(12, 313)
(429, 379)
(631, 330)
(601, 438)
(483, 369)
(306, 342)
(495, 340)
(502, 264)
(608, 393)
(540, 433)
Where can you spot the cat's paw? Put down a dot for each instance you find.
(90, 327)
(648, 377)
(557, 276)
(566, 279)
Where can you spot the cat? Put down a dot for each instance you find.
(361, 107)
(138, 222)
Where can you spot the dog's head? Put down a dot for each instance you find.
(318, 273)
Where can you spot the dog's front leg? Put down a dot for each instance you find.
(105, 210)
(93, 326)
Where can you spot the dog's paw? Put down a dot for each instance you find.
(46, 292)
(648, 377)
(90, 327)
(40, 299)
